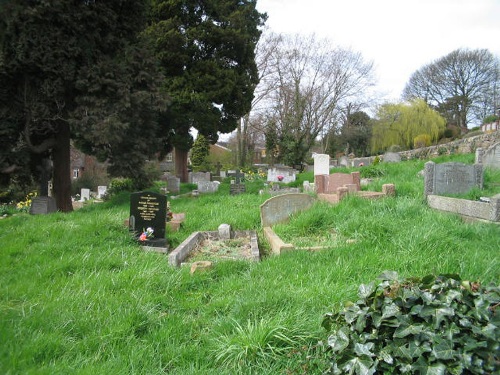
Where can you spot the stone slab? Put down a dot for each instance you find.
(279, 208)
(42, 205)
(451, 178)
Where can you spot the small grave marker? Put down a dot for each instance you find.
(84, 195)
(101, 191)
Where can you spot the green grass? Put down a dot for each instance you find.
(78, 296)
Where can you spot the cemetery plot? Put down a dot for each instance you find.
(216, 246)
(214, 249)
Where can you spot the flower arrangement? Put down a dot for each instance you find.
(147, 234)
(25, 205)
(170, 214)
(280, 178)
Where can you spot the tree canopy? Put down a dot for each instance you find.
(309, 87)
(75, 70)
(207, 53)
(399, 124)
(464, 86)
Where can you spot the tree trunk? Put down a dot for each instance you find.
(181, 162)
(61, 174)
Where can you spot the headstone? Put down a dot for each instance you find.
(173, 184)
(392, 157)
(208, 186)
(43, 205)
(451, 178)
(284, 175)
(101, 191)
(491, 157)
(279, 208)
(149, 210)
(224, 231)
(361, 162)
(237, 186)
(218, 166)
(321, 164)
(195, 177)
(223, 174)
(84, 195)
(344, 161)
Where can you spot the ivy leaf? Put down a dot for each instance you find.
(366, 290)
(404, 330)
(443, 349)
(359, 366)
(422, 367)
(339, 340)
(364, 349)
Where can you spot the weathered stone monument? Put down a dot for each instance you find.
(148, 210)
(101, 191)
(208, 186)
(173, 184)
(43, 203)
(392, 157)
(84, 194)
(279, 208)
(489, 158)
(451, 178)
(196, 177)
(237, 186)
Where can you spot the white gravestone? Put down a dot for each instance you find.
(321, 164)
(101, 191)
(84, 195)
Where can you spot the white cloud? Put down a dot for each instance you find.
(398, 35)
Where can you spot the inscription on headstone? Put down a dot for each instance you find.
(149, 210)
(452, 178)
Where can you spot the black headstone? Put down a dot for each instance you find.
(149, 210)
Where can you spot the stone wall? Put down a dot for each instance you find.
(461, 146)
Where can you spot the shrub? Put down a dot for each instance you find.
(422, 140)
(433, 325)
(118, 185)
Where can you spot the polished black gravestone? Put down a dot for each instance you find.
(149, 210)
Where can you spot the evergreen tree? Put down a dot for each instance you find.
(207, 51)
(199, 153)
(74, 69)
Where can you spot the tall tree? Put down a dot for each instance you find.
(463, 86)
(207, 51)
(399, 124)
(311, 83)
(55, 56)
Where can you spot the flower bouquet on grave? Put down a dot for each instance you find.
(146, 234)
(280, 178)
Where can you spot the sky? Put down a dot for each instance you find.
(399, 36)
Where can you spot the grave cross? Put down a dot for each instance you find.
(238, 175)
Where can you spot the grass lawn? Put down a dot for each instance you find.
(78, 296)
